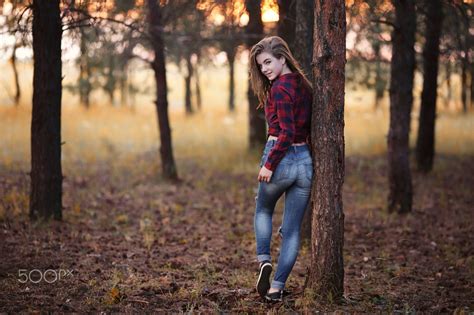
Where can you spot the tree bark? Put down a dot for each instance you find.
(111, 82)
(46, 174)
(379, 80)
(231, 59)
(159, 67)
(17, 96)
(187, 85)
(303, 53)
(472, 84)
(85, 86)
(449, 91)
(401, 99)
(326, 276)
(426, 129)
(197, 85)
(254, 31)
(464, 66)
(287, 21)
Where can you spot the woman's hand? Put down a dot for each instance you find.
(264, 175)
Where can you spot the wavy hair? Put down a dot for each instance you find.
(278, 48)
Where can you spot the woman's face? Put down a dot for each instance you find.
(269, 65)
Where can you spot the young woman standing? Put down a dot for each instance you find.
(286, 165)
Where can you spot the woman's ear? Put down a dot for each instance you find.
(283, 60)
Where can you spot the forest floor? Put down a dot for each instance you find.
(130, 242)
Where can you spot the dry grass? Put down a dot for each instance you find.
(213, 136)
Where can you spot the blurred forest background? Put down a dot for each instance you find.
(162, 221)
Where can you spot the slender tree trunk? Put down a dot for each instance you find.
(401, 99)
(254, 31)
(85, 86)
(462, 36)
(326, 276)
(231, 58)
(17, 96)
(187, 85)
(304, 53)
(159, 68)
(287, 21)
(472, 84)
(449, 92)
(379, 81)
(46, 174)
(111, 81)
(304, 35)
(426, 129)
(464, 66)
(124, 86)
(197, 85)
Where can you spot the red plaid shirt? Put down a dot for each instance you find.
(288, 114)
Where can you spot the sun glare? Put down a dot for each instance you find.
(269, 11)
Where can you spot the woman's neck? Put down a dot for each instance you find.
(285, 70)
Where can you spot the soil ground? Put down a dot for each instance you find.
(135, 243)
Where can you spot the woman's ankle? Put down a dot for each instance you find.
(273, 290)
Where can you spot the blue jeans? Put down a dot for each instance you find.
(293, 177)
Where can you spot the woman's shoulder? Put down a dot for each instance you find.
(287, 84)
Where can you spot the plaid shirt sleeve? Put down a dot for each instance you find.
(283, 102)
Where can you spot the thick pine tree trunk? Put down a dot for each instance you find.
(303, 53)
(426, 129)
(287, 21)
(17, 96)
(326, 276)
(401, 99)
(46, 174)
(254, 31)
(159, 68)
(187, 85)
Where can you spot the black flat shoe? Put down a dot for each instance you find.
(263, 281)
(274, 297)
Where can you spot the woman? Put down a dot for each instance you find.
(286, 165)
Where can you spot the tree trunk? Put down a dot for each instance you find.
(464, 66)
(449, 92)
(303, 53)
(426, 129)
(304, 35)
(46, 174)
(197, 85)
(401, 99)
(85, 86)
(159, 68)
(17, 96)
(187, 85)
(472, 84)
(231, 58)
(326, 276)
(111, 81)
(462, 36)
(124, 86)
(254, 31)
(287, 21)
(379, 81)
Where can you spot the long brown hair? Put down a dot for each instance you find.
(277, 47)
